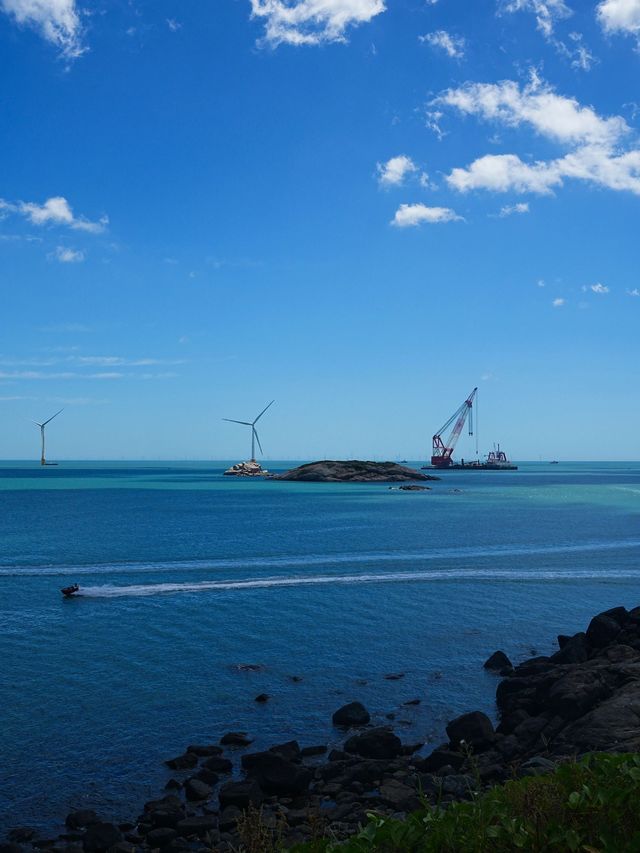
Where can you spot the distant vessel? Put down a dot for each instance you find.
(554, 462)
(70, 591)
(442, 452)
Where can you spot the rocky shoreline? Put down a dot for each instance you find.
(583, 698)
(352, 471)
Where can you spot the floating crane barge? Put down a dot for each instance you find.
(442, 451)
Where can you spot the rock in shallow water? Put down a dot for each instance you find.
(353, 714)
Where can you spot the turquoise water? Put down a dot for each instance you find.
(187, 574)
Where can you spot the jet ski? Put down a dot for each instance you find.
(70, 591)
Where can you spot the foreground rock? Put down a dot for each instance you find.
(583, 697)
(354, 471)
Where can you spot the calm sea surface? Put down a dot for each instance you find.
(187, 574)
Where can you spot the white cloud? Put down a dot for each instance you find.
(559, 302)
(55, 211)
(620, 16)
(57, 21)
(541, 282)
(547, 12)
(553, 116)
(597, 154)
(453, 46)
(394, 171)
(309, 22)
(408, 215)
(510, 209)
(173, 25)
(504, 173)
(634, 292)
(599, 288)
(68, 256)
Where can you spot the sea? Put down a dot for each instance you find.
(200, 592)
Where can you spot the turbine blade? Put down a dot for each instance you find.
(230, 421)
(52, 417)
(263, 411)
(255, 432)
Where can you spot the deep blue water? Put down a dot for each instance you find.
(187, 574)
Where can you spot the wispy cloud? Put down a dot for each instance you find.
(58, 21)
(312, 22)
(174, 25)
(559, 302)
(68, 256)
(597, 288)
(54, 211)
(633, 292)
(453, 46)
(510, 209)
(410, 215)
(547, 12)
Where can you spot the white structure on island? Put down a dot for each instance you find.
(254, 434)
(43, 461)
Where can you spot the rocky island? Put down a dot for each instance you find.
(353, 471)
(246, 469)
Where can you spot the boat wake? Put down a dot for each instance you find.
(112, 591)
(324, 560)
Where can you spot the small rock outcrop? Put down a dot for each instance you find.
(353, 471)
(246, 469)
(353, 714)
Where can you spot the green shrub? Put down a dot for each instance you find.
(590, 806)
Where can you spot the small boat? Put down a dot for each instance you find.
(70, 591)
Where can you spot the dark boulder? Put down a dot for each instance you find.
(196, 789)
(262, 697)
(81, 818)
(236, 739)
(203, 751)
(289, 750)
(277, 775)
(474, 728)
(240, 794)
(209, 777)
(160, 837)
(309, 751)
(603, 629)
(375, 743)
(23, 834)
(197, 825)
(218, 764)
(439, 758)
(353, 714)
(100, 836)
(497, 662)
(574, 650)
(229, 818)
(183, 762)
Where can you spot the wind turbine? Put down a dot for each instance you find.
(254, 434)
(42, 426)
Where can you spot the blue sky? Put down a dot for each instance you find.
(360, 208)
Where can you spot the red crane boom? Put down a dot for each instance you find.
(441, 453)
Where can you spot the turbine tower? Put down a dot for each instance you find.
(43, 461)
(254, 434)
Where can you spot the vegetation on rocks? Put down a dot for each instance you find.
(589, 806)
